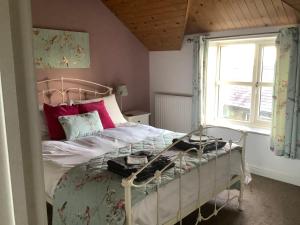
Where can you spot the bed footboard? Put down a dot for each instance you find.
(129, 183)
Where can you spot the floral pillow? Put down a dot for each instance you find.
(81, 125)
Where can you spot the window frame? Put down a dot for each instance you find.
(256, 84)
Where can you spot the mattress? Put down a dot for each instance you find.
(207, 180)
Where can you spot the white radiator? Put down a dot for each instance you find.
(173, 112)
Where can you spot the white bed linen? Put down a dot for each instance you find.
(72, 153)
(132, 132)
(59, 157)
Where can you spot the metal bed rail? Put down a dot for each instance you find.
(129, 183)
(61, 88)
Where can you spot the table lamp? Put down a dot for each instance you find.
(122, 91)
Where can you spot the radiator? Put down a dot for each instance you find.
(173, 112)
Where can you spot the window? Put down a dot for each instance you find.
(239, 81)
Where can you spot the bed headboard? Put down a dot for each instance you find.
(62, 90)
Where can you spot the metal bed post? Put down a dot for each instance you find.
(215, 180)
(79, 93)
(126, 183)
(200, 154)
(62, 90)
(242, 182)
(229, 171)
(157, 175)
(180, 191)
(44, 95)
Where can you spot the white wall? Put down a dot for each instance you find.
(262, 161)
(171, 71)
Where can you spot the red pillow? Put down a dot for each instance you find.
(103, 114)
(52, 113)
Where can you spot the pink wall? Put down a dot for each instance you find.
(116, 55)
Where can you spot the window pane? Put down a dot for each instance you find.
(235, 102)
(265, 106)
(236, 62)
(268, 63)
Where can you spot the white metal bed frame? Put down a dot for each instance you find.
(64, 91)
(129, 182)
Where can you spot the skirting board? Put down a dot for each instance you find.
(274, 175)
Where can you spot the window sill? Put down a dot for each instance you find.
(254, 130)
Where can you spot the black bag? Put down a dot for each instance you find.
(185, 145)
(119, 166)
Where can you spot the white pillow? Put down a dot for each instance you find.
(113, 109)
(111, 105)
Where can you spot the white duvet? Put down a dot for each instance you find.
(72, 153)
(132, 132)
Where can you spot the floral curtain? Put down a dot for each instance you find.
(285, 139)
(199, 57)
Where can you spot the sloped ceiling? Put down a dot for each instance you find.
(162, 24)
(207, 15)
(293, 3)
(154, 22)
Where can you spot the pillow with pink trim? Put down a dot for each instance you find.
(52, 113)
(101, 109)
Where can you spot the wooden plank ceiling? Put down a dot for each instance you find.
(162, 24)
(218, 15)
(154, 22)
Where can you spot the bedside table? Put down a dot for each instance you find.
(137, 117)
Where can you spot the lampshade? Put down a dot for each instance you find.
(122, 90)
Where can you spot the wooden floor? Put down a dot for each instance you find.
(267, 202)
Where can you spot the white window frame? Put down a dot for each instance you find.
(211, 113)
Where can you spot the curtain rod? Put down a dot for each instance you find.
(242, 35)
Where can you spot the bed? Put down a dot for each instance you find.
(83, 191)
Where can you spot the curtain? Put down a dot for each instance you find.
(199, 63)
(285, 138)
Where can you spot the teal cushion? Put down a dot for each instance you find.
(81, 125)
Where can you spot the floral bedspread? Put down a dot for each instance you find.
(89, 194)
